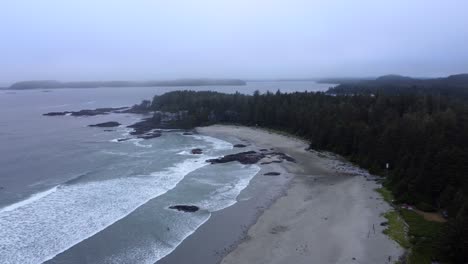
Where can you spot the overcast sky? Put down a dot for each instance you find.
(156, 39)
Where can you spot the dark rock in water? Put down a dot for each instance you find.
(142, 127)
(106, 124)
(87, 112)
(56, 113)
(240, 146)
(265, 163)
(150, 135)
(185, 208)
(272, 174)
(263, 149)
(197, 151)
(276, 161)
(248, 157)
(187, 134)
(98, 111)
(123, 139)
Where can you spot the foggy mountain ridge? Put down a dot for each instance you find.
(52, 84)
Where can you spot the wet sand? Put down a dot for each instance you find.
(319, 210)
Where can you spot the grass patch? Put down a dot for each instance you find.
(386, 194)
(424, 236)
(396, 228)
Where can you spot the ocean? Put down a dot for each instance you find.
(70, 193)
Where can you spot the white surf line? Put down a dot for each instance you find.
(125, 215)
(225, 197)
(12, 255)
(31, 199)
(217, 143)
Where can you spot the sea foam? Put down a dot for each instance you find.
(50, 222)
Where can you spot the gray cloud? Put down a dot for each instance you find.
(153, 39)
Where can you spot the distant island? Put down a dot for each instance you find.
(51, 84)
(399, 80)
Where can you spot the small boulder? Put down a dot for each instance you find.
(384, 224)
(272, 174)
(240, 146)
(197, 151)
(185, 208)
(106, 124)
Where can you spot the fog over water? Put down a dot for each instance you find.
(152, 39)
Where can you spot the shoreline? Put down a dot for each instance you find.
(314, 212)
(228, 228)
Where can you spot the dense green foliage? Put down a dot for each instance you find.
(396, 228)
(424, 237)
(424, 139)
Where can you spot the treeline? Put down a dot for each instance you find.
(454, 85)
(423, 138)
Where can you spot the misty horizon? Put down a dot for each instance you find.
(264, 40)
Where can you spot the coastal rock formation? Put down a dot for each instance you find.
(252, 157)
(272, 174)
(240, 146)
(187, 134)
(248, 157)
(160, 120)
(107, 124)
(149, 135)
(197, 151)
(185, 208)
(87, 112)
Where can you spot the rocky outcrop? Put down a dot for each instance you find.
(185, 208)
(240, 146)
(196, 151)
(87, 112)
(272, 174)
(106, 124)
(248, 157)
(252, 157)
(150, 135)
(159, 120)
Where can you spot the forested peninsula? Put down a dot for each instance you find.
(414, 135)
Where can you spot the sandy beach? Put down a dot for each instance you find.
(320, 210)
